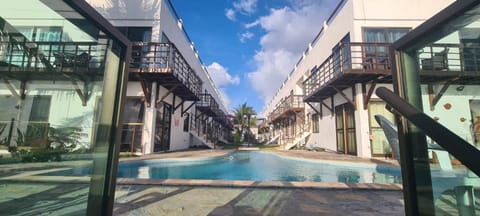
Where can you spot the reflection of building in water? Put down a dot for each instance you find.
(144, 172)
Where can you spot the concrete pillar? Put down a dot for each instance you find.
(362, 125)
(149, 123)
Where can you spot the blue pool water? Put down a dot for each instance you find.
(253, 165)
(258, 166)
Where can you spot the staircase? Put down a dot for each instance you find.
(203, 141)
(271, 141)
(302, 140)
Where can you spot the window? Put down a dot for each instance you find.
(132, 126)
(315, 123)
(341, 55)
(384, 35)
(133, 110)
(143, 34)
(40, 109)
(186, 123)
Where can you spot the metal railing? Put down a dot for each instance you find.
(291, 102)
(18, 54)
(208, 102)
(350, 58)
(449, 57)
(152, 57)
(131, 137)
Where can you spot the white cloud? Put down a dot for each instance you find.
(288, 32)
(222, 78)
(220, 75)
(226, 100)
(246, 6)
(252, 24)
(246, 36)
(230, 13)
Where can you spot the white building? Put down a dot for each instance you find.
(172, 102)
(327, 100)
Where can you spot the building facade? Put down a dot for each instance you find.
(63, 78)
(327, 100)
(172, 102)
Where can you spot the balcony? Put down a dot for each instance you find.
(207, 105)
(288, 106)
(29, 60)
(163, 63)
(349, 64)
(452, 63)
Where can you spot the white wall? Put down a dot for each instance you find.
(66, 109)
(157, 15)
(460, 108)
(352, 17)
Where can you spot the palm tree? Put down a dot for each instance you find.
(239, 115)
(244, 117)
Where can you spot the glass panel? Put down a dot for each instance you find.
(449, 81)
(340, 141)
(380, 145)
(57, 109)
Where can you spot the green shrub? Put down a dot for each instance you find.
(41, 155)
(236, 138)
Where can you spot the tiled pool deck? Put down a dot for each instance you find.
(205, 197)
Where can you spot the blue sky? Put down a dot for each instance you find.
(250, 46)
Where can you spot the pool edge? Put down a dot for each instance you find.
(261, 184)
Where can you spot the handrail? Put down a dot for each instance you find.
(455, 145)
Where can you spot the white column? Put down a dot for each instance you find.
(149, 123)
(362, 125)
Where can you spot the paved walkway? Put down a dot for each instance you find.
(187, 200)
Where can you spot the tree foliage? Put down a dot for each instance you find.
(240, 112)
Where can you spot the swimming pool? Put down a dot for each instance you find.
(259, 166)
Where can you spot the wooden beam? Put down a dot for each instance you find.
(181, 104)
(80, 94)
(184, 111)
(433, 99)
(326, 106)
(352, 102)
(313, 107)
(147, 90)
(165, 95)
(197, 116)
(12, 89)
(321, 111)
(367, 96)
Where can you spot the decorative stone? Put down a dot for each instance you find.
(447, 106)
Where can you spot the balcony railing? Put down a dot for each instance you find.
(349, 64)
(164, 61)
(17, 54)
(290, 104)
(207, 104)
(449, 62)
(131, 139)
